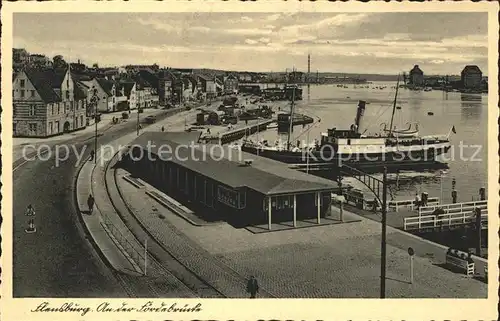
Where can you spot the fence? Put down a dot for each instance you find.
(453, 208)
(135, 254)
(411, 204)
(442, 220)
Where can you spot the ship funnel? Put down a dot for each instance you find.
(359, 115)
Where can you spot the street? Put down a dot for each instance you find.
(58, 260)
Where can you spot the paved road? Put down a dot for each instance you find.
(57, 260)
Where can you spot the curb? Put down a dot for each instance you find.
(174, 209)
(131, 181)
(88, 236)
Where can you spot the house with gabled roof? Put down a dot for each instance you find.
(207, 85)
(166, 88)
(128, 89)
(46, 102)
(105, 91)
(230, 84)
(471, 77)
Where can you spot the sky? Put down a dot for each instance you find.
(386, 43)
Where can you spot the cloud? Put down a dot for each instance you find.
(246, 19)
(200, 29)
(273, 17)
(264, 40)
(341, 20)
(158, 25)
(251, 42)
(247, 32)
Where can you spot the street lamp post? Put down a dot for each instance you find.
(138, 107)
(94, 101)
(384, 228)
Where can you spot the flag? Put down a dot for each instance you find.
(453, 129)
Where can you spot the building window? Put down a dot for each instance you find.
(32, 93)
(242, 199)
(22, 83)
(58, 108)
(50, 128)
(22, 93)
(32, 111)
(52, 109)
(81, 120)
(14, 128)
(67, 94)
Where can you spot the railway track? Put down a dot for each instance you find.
(168, 266)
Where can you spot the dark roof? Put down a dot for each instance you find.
(106, 85)
(141, 82)
(472, 69)
(45, 81)
(150, 77)
(416, 69)
(263, 175)
(127, 86)
(79, 91)
(205, 77)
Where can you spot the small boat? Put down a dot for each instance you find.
(403, 133)
(430, 113)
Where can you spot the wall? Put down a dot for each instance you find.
(28, 109)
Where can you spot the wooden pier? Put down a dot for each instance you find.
(454, 215)
(237, 133)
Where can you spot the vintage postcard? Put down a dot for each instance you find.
(161, 159)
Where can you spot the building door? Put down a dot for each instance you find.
(66, 127)
(50, 128)
(57, 128)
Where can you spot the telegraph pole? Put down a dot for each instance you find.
(138, 108)
(384, 243)
(94, 101)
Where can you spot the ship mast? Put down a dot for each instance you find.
(394, 107)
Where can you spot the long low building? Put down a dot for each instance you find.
(242, 188)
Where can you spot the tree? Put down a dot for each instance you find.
(59, 62)
(95, 65)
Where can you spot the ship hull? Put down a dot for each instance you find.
(375, 162)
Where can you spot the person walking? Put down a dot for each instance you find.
(252, 287)
(162, 128)
(92, 155)
(90, 203)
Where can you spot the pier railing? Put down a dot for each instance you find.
(465, 207)
(442, 220)
(411, 204)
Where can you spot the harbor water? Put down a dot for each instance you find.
(435, 111)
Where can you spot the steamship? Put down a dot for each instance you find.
(393, 149)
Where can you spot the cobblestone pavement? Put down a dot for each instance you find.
(338, 261)
(190, 254)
